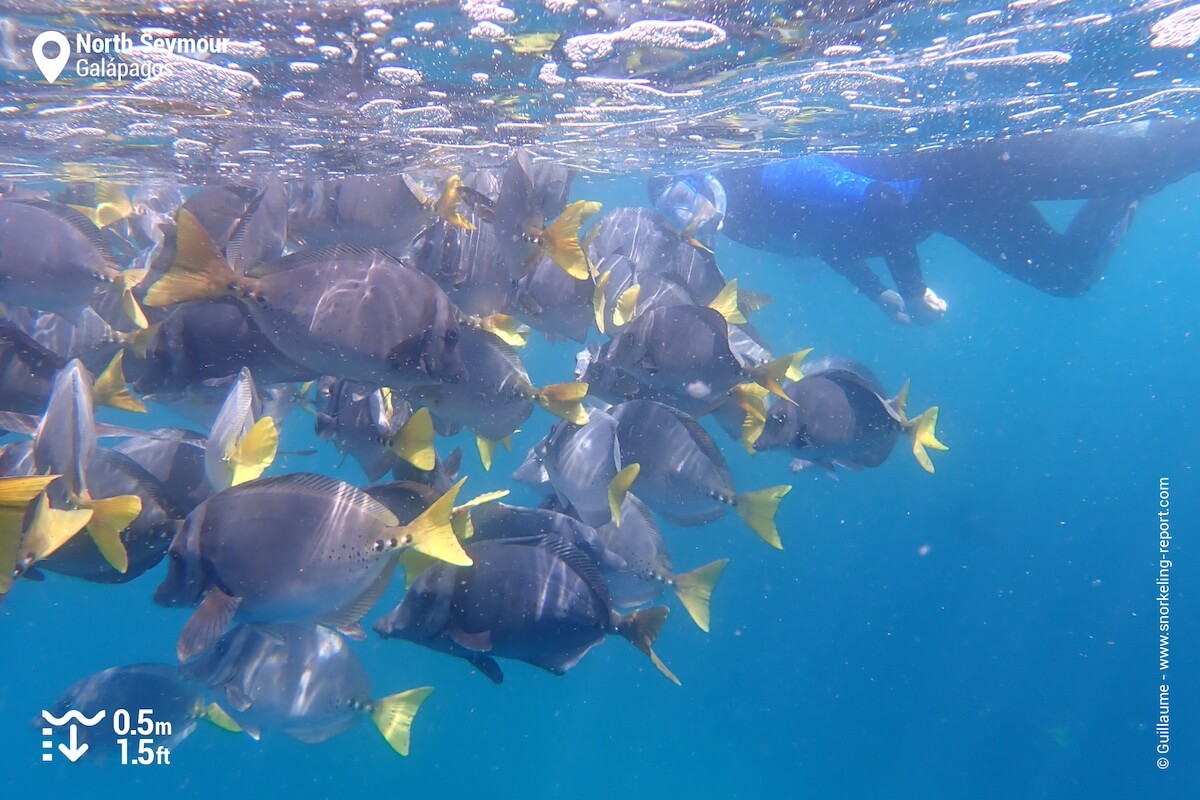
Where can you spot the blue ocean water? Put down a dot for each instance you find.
(1016, 657)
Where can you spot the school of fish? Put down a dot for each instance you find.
(387, 311)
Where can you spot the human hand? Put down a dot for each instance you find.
(927, 309)
(893, 305)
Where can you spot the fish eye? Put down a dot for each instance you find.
(451, 337)
(779, 417)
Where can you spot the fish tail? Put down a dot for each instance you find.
(414, 441)
(751, 302)
(900, 402)
(758, 509)
(200, 271)
(393, 716)
(641, 628)
(414, 564)
(726, 304)
(220, 718)
(432, 534)
(109, 388)
(770, 374)
(626, 307)
(600, 300)
(447, 205)
(504, 327)
(922, 432)
(750, 398)
(129, 304)
(560, 240)
(16, 492)
(49, 529)
(694, 589)
(139, 341)
(619, 487)
(255, 451)
(461, 521)
(564, 400)
(110, 516)
(795, 372)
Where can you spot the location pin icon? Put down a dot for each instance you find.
(51, 67)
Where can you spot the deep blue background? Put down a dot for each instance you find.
(1017, 658)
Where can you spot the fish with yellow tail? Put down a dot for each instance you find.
(239, 556)
(840, 417)
(301, 680)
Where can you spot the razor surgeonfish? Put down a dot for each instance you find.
(374, 426)
(301, 680)
(346, 311)
(538, 599)
(295, 548)
(243, 441)
(54, 260)
(497, 396)
(173, 700)
(639, 570)
(838, 415)
(584, 466)
(683, 475)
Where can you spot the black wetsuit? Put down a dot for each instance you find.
(846, 209)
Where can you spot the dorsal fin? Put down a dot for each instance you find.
(76, 220)
(321, 484)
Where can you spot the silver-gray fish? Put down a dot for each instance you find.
(242, 555)
(301, 680)
(683, 475)
(538, 599)
(350, 312)
(839, 415)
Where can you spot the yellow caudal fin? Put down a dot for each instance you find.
(487, 450)
(619, 487)
(899, 403)
(460, 520)
(922, 432)
(432, 534)
(564, 400)
(112, 206)
(110, 516)
(414, 441)
(447, 205)
(753, 301)
(751, 398)
(393, 716)
(694, 589)
(15, 493)
(561, 239)
(770, 374)
(217, 716)
(600, 300)
(726, 304)
(129, 304)
(109, 388)
(139, 341)
(641, 628)
(199, 272)
(414, 564)
(255, 451)
(626, 307)
(505, 328)
(49, 529)
(757, 510)
(795, 372)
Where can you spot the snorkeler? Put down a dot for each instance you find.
(846, 209)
